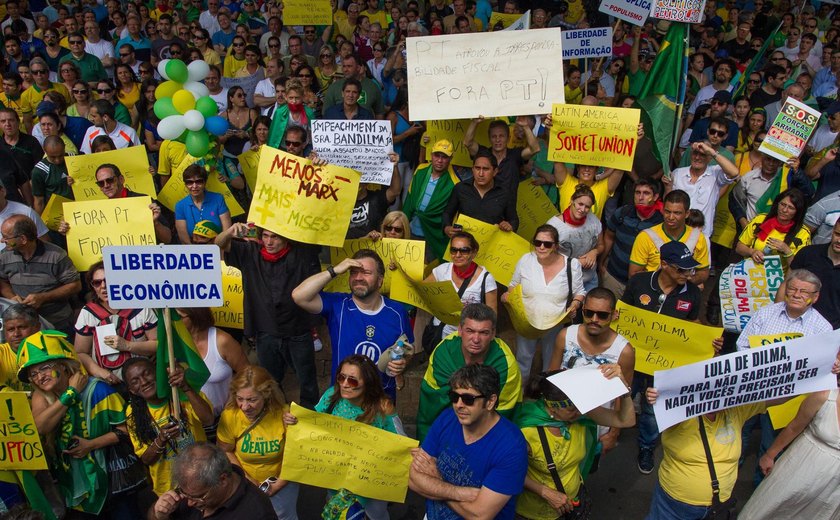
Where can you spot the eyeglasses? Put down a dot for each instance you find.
(200, 498)
(460, 250)
(548, 244)
(794, 291)
(718, 133)
(107, 181)
(468, 399)
(104, 90)
(602, 315)
(293, 143)
(43, 369)
(38, 72)
(351, 381)
(393, 229)
(98, 283)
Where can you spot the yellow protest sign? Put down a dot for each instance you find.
(408, 255)
(175, 190)
(598, 136)
(437, 298)
(534, 209)
(231, 314)
(531, 325)
(506, 19)
(21, 445)
(132, 162)
(249, 161)
(331, 452)
(54, 211)
(310, 204)
(780, 415)
(454, 130)
(307, 12)
(662, 342)
(95, 224)
(499, 250)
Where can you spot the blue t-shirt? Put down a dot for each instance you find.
(354, 331)
(497, 461)
(224, 39)
(214, 205)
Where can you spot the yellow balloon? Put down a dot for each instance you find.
(167, 89)
(183, 100)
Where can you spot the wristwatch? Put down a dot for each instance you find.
(332, 272)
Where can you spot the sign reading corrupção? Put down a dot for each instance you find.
(163, 276)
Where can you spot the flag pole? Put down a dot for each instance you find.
(170, 347)
(675, 137)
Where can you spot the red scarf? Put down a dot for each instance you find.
(769, 225)
(569, 219)
(274, 257)
(463, 274)
(646, 211)
(297, 110)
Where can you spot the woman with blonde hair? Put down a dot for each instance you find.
(253, 416)
(394, 225)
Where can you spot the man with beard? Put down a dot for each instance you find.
(363, 322)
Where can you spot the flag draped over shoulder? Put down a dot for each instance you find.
(663, 93)
(196, 372)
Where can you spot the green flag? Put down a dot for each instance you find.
(185, 351)
(663, 93)
(754, 63)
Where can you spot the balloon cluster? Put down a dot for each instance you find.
(187, 112)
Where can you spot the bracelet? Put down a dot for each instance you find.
(332, 272)
(159, 449)
(69, 397)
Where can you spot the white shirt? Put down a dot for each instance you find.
(29, 24)
(704, 193)
(284, 42)
(220, 99)
(265, 88)
(16, 208)
(209, 22)
(822, 137)
(704, 96)
(472, 294)
(544, 301)
(123, 137)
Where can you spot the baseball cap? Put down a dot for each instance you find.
(723, 96)
(678, 254)
(832, 108)
(45, 107)
(206, 229)
(443, 146)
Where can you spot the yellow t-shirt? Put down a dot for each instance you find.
(646, 253)
(131, 98)
(377, 17)
(30, 97)
(684, 473)
(567, 455)
(600, 189)
(232, 64)
(16, 105)
(8, 368)
(161, 471)
(344, 28)
(211, 57)
(171, 158)
(260, 451)
(748, 237)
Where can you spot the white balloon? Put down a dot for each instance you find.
(197, 89)
(198, 70)
(193, 120)
(171, 127)
(162, 69)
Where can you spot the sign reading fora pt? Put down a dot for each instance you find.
(163, 276)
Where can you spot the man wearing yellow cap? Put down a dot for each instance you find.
(427, 197)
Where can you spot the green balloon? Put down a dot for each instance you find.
(207, 106)
(164, 108)
(177, 71)
(198, 143)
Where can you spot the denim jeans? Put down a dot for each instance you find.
(648, 429)
(276, 353)
(285, 502)
(663, 507)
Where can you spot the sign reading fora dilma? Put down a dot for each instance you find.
(163, 276)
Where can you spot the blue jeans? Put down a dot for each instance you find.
(285, 502)
(663, 507)
(276, 353)
(648, 429)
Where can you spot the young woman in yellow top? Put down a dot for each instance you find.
(235, 58)
(779, 232)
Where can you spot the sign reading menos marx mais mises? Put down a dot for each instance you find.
(163, 276)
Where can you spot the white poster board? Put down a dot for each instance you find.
(163, 276)
(631, 11)
(587, 43)
(685, 11)
(463, 76)
(359, 145)
(587, 387)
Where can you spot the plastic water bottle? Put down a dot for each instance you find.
(397, 353)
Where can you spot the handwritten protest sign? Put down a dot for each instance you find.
(773, 371)
(176, 190)
(534, 209)
(54, 211)
(467, 75)
(685, 11)
(530, 321)
(790, 131)
(359, 145)
(307, 12)
(587, 43)
(453, 130)
(631, 11)
(746, 287)
(95, 224)
(231, 314)
(132, 162)
(248, 84)
(331, 452)
(310, 204)
(21, 445)
(662, 342)
(249, 162)
(408, 255)
(598, 136)
(437, 298)
(499, 250)
(782, 414)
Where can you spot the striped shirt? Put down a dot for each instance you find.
(122, 135)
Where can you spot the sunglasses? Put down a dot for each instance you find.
(304, 75)
(468, 399)
(602, 315)
(126, 55)
(688, 272)
(293, 143)
(351, 381)
(718, 133)
(193, 182)
(107, 181)
(80, 91)
(393, 229)
(198, 37)
(239, 45)
(98, 283)
(104, 90)
(38, 72)
(754, 81)
(75, 42)
(548, 244)
(460, 250)
(273, 45)
(308, 32)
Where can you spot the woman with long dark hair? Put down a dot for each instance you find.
(779, 232)
(753, 125)
(311, 87)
